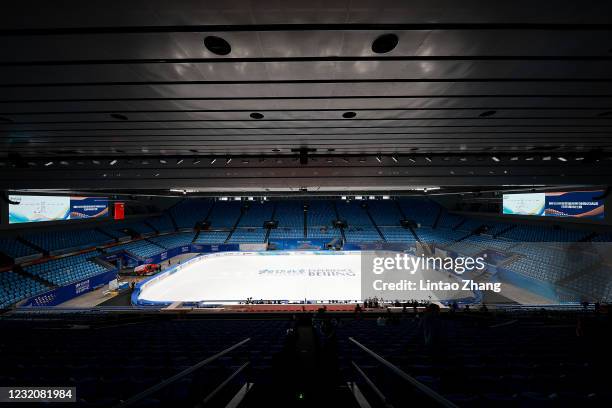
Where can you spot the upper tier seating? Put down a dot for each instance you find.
(353, 213)
(15, 287)
(162, 223)
(290, 214)
(15, 249)
(189, 212)
(225, 214)
(423, 212)
(533, 233)
(385, 212)
(320, 213)
(67, 269)
(173, 240)
(63, 241)
(449, 220)
(256, 214)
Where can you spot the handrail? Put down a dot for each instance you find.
(223, 384)
(417, 384)
(180, 375)
(373, 386)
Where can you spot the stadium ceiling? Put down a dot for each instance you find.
(240, 95)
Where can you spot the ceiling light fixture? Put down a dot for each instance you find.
(495, 158)
(385, 43)
(113, 162)
(118, 116)
(394, 158)
(217, 45)
(379, 159)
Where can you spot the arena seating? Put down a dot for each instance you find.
(423, 212)
(141, 248)
(248, 236)
(15, 249)
(14, 287)
(449, 220)
(138, 227)
(385, 212)
(64, 241)
(211, 237)
(173, 240)
(162, 223)
(320, 213)
(286, 233)
(532, 362)
(362, 234)
(109, 364)
(397, 234)
(290, 214)
(323, 232)
(532, 233)
(256, 214)
(67, 269)
(189, 212)
(353, 213)
(225, 214)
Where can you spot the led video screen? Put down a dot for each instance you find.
(27, 208)
(573, 204)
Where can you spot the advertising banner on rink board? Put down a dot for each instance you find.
(65, 293)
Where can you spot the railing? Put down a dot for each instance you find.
(431, 394)
(149, 391)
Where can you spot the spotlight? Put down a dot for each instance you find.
(118, 116)
(379, 159)
(579, 158)
(486, 114)
(213, 160)
(428, 159)
(228, 160)
(179, 161)
(495, 158)
(47, 164)
(217, 45)
(96, 162)
(394, 158)
(561, 158)
(113, 162)
(63, 163)
(196, 161)
(385, 43)
(546, 158)
(411, 160)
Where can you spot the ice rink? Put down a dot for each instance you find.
(232, 277)
(235, 276)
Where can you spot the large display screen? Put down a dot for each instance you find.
(575, 204)
(27, 208)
